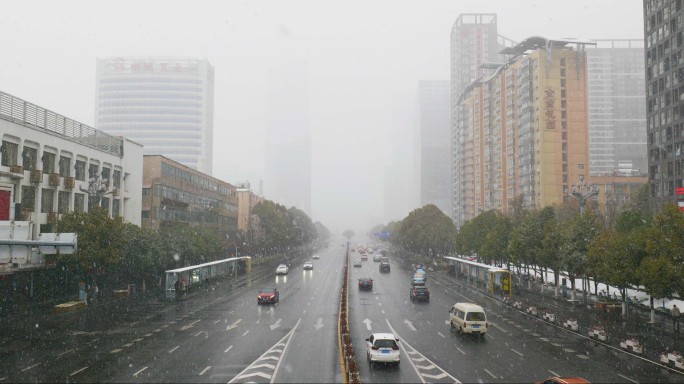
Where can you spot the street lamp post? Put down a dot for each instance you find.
(582, 191)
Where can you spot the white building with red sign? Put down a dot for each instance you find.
(51, 165)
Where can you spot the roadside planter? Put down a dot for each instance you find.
(597, 332)
(550, 317)
(673, 359)
(572, 325)
(518, 305)
(632, 345)
(534, 311)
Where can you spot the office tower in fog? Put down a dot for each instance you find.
(164, 103)
(435, 144)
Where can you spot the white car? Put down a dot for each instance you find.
(308, 265)
(316, 257)
(357, 263)
(383, 348)
(282, 269)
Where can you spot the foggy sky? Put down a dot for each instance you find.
(364, 61)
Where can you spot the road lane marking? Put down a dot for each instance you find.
(127, 345)
(217, 321)
(198, 333)
(553, 373)
(33, 366)
(260, 363)
(516, 352)
(490, 374)
(428, 321)
(490, 336)
(65, 352)
(583, 356)
(235, 324)
(497, 327)
(460, 350)
(568, 350)
(138, 339)
(228, 349)
(176, 347)
(557, 345)
(383, 311)
(159, 330)
(186, 327)
(205, 369)
(80, 370)
(440, 333)
(627, 378)
(140, 371)
(246, 332)
(422, 375)
(92, 341)
(115, 350)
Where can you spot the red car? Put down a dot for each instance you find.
(268, 295)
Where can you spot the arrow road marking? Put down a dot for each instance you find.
(409, 324)
(318, 324)
(235, 324)
(186, 327)
(368, 324)
(276, 324)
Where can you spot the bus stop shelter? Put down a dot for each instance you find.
(197, 274)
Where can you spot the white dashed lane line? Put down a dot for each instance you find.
(205, 369)
(627, 378)
(553, 373)
(139, 372)
(33, 366)
(228, 349)
(490, 374)
(460, 350)
(80, 370)
(176, 347)
(516, 352)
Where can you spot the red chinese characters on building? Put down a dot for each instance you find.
(549, 107)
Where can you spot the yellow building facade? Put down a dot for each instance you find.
(522, 132)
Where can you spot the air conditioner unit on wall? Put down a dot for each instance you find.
(52, 217)
(69, 182)
(36, 176)
(54, 179)
(16, 169)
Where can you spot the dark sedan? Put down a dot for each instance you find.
(366, 284)
(420, 293)
(384, 266)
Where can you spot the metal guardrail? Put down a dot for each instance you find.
(30, 115)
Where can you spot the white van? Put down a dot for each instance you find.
(468, 318)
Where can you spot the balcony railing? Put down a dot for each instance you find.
(30, 115)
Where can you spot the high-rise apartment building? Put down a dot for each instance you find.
(617, 108)
(475, 46)
(435, 144)
(664, 45)
(522, 132)
(164, 103)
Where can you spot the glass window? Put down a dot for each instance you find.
(475, 316)
(63, 202)
(104, 203)
(116, 178)
(115, 207)
(48, 162)
(47, 200)
(10, 153)
(28, 198)
(92, 171)
(105, 175)
(64, 166)
(79, 202)
(80, 170)
(30, 158)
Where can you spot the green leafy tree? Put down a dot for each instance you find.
(614, 257)
(100, 240)
(661, 270)
(576, 236)
(526, 245)
(348, 234)
(427, 231)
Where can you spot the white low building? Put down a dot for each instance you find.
(52, 165)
